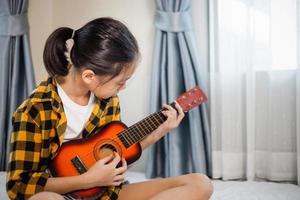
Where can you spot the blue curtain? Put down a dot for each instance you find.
(176, 68)
(16, 70)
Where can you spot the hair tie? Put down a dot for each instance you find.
(69, 45)
(73, 34)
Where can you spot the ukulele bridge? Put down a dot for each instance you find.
(79, 165)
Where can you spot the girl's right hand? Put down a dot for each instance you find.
(105, 172)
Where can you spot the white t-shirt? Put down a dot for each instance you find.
(77, 115)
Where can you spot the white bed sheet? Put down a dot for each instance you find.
(243, 190)
(237, 190)
(223, 190)
(3, 195)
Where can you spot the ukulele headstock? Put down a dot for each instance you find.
(191, 98)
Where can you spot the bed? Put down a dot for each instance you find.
(223, 190)
(243, 190)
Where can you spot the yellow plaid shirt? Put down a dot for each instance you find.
(39, 125)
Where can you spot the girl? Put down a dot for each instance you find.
(79, 97)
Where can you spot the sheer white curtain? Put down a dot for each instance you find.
(255, 89)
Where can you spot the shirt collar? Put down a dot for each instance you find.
(47, 91)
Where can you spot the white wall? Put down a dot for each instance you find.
(138, 15)
(40, 14)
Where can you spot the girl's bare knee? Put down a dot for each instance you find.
(46, 196)
(202, 185)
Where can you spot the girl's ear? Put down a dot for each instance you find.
(88, 76)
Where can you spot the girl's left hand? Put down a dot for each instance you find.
(173, 118)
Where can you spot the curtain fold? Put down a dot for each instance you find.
(298, 94)
(254, 73)
(176, 68)
(298, 118)
(16, 70)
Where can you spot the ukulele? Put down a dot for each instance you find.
(77, 156)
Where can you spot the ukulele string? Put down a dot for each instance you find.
(104, 146)
(130, 130)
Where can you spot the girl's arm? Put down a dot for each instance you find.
(102, 173)
(173, 120)
(24, 176)
(64, 185)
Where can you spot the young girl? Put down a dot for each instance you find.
(78, 98)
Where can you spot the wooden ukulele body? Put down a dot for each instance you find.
(77, 156)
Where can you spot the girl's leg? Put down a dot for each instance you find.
(47, 196)
(190, 186)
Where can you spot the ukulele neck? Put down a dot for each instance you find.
(143, 128)
(137, 132)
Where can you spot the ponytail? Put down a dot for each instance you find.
(54, 57)
(103, 45)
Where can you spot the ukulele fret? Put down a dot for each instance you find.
(133, 141)
(122, 139)
(145, 128)
(126, 136)
(160, 117)
(137, 132)
(151, 124)
(135, 137)
(156, 120)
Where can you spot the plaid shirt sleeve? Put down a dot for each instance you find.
(24, 177)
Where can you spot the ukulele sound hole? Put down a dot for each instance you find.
(105, 148)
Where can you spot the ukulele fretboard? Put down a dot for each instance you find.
(141, 129)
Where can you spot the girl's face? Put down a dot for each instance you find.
(104, 87)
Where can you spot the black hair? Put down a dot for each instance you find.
(104, 45)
